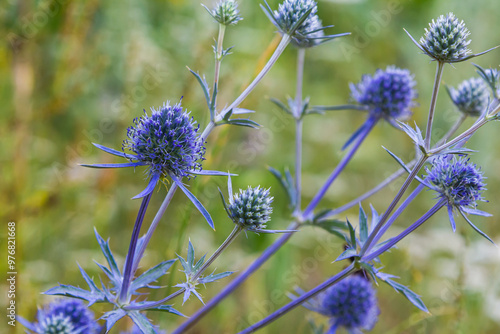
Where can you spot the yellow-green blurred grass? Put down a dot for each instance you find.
(86, 71)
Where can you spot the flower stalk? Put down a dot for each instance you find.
(128, 272)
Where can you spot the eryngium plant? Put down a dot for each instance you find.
(471, 96)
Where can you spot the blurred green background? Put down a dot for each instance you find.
(76, 72)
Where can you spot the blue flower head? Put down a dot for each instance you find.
(458, 181)
(446, 39)
(471, 97)
(388, 94)
(350, 303)
(167, 141)
(65, 316)
(460, 184)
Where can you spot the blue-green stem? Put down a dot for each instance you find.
(285, 40)
(127, 272)
(403, 234)
(298, 129)
(370, 123)
(299, 300)
(432, 108)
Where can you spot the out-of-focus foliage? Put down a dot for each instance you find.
(76, 72)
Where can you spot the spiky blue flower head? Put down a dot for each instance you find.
(389, 93)
(225, 12)
(56, 324)
(352, 304)
(64, 316)
(251, 208)
(457, 180)
(459, 184)
(471, 97)
(446, 39)
(167, 141)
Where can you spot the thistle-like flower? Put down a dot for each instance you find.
(460, 184)
(446, 40)
(166, 142)
(251, 208)
(471, 97)
(387, 94)
(298, 19)
(65, 316)
(225, 12)
(350, 303)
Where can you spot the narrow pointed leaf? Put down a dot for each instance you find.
(204, 86)
(476, 212)
(150, 187)
(151, 275)
(281, 105)
(347, 254)
(212, 172)
(142, 322)
(108, 255)
(115, 152)
(119, 165)
(168, 309)
(452, 219)
(215, 277)
(190, 254)
(195, 201)
(112, 317)
(475, 228)
(363, 225)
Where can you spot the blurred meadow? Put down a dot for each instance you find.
(76, 72)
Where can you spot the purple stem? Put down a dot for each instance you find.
(396, 214)
(299, 300)
(127, 275)
(369, 124)
(403, 234)
(237, 281)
